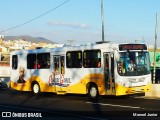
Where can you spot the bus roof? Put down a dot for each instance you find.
(110, 46)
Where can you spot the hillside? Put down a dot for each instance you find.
(29, 38)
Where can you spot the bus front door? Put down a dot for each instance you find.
(109, 73)
(59, 73)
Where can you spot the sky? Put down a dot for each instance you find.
(80, 20)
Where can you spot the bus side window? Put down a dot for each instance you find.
(31, 59)
(92, 59)
(74, 59)
(43, 61)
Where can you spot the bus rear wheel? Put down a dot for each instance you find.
(36, 88)
(93, 92)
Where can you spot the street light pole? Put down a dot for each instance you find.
(155, 48)
(102, 15)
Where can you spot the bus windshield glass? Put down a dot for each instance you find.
(133, 63)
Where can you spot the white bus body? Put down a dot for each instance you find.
(98, 69)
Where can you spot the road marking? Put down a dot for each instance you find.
(148, 98)
(116, 105)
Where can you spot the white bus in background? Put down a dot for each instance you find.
(4, 69)
(4, 64)
(97, 69)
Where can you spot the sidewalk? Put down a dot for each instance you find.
(155, 91)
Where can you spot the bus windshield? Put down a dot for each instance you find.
(133, 63)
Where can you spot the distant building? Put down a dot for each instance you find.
(22, 44)
(18, 44)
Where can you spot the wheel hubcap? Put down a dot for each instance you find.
(93, 92)
(36, 88)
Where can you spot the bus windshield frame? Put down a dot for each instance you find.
(133, 63)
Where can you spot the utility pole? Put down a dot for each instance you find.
(155, 48)
(102, 15)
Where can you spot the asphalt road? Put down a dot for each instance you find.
(21, 104)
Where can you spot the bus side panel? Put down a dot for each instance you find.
(21, 86)
(81, 86)
(27, 85)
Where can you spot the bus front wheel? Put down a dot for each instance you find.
(35, 88)
(93, 92)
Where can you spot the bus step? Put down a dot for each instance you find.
(61, 92)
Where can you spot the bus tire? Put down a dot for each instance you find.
(36, 88)
(93, 92)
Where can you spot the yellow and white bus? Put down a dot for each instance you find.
(96, 69)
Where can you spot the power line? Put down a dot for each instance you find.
(35, 17)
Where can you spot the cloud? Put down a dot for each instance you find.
(69, 24)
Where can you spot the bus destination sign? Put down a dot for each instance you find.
(132, 47)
